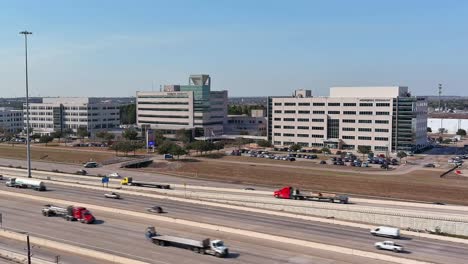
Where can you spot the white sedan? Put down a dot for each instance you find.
(114, 175)
(112, 195)
(389, 245)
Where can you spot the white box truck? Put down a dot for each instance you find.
(386, 231)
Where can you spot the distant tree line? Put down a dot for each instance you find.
(234, 109)
(459, 104)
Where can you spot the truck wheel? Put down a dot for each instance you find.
(44, 213)
(217, 255)
(395, 250)
(162, 243)
(196, 250)
(378, 247)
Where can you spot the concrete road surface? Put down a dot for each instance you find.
(421, 249)
(123, 235)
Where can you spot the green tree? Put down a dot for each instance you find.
(442, 130)
(461, 132)
(165, 147)
(125, 147)
(364, 150)
(159, 137)
(429, 130)
(184, 135)
(82, 132)
(128, 114)
(177, 150)
(46, 139)
(200, 146)
(35, 136)
(295, 147)
(130, 134)
(264, 143)
(401, 155)
(105, 135)
(218, 145)
(325, 150)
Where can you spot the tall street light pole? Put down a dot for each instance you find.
(28, 144)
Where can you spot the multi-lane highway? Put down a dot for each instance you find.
(124, 236)
(421, 249)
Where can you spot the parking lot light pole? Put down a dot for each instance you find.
(28, 144)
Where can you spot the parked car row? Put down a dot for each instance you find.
(90, 145)
(267, 155)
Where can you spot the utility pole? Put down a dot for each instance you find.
(29, 249)
(28, 144)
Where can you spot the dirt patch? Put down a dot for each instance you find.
(53, 155)
(417, 185)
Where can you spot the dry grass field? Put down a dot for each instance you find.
(53, 154)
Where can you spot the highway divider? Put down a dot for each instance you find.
(236, 231)
(68, 248)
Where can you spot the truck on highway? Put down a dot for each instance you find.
(206, 246)
(386, 231)
(130, 181)
(295, 194)
(26, 183)
(69, 213)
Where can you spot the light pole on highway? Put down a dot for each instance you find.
(28, 146)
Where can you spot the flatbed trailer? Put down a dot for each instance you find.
(295, 194)
(206, 246)
(131, 182)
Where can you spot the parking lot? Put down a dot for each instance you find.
(343, 159)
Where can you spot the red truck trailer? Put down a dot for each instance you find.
(69, 213)
(293, 193)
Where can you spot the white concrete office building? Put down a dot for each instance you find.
(11, 120)
(383, 118)
(193, 107)
(65, 113)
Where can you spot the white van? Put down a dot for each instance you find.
(386, 231)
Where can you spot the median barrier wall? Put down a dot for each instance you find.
(252, 234)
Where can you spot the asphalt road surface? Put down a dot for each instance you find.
(421, 249)
(124, 235)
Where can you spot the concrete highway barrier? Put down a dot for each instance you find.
(68, 248)
(247, 233)
(21, 258)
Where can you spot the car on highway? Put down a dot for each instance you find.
(112, 195)
(388, 245)
(323, 162)
(114, 175)
(249, 189)
(81, 172)
(386, 231)
(429, 165)
(91, 164)
(155, 209)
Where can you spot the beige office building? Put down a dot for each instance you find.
(384, 118)
(194, 107)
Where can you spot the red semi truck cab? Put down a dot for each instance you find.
(83, 215)
(284, 193)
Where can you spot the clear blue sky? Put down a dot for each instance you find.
(250, 48)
